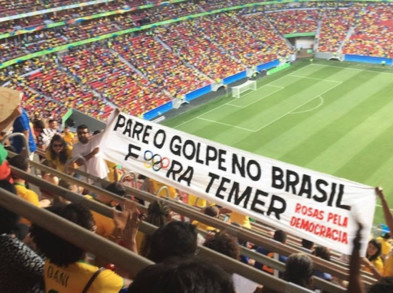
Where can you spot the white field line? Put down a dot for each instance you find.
(233, 105)
(358, 69)
(321, 102)
(297, 107)
(260, 99)
(379, 206)
(225, 124)
(315, 78)
(229, 102)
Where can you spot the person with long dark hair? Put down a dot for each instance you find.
(373, 255)
(58, 153)
(65, 268)
(21, 269)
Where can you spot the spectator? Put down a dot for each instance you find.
(88, 149)
(158, 214)
(67, 260)
(279, 236)
(29, 195)
(373, 257)
(235, 217)
(21, 269)
(299, 270)
(22, 125)
(323, 253)
(105, 226)
(179, 276)
(173, 239)
(382, 286)
(68, 136)
(53, 126)
(210, 211)
(42, 135)
(388, 268)
(58, 153)
(307, 245)
(386, 246)
(223, 243)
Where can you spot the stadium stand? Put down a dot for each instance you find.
(143, 71)
(294, 21)
(196, 48)
(159, 64)
(372, 35)
(189, 212)
(335, 26)
(107, 74)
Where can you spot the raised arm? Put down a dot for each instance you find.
(385, 207)
(355, 281)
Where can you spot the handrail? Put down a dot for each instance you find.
(75, 234)
(163, 188)
(190, 212)
(239, 232)
(120, 256)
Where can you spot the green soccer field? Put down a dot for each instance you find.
(328, 116)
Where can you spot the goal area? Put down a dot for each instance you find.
(239, 89)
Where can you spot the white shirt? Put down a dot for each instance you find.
(96, 166)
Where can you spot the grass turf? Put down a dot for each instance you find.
(333, 117)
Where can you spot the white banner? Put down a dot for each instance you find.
(305, 203)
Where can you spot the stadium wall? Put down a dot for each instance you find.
(235, 77)
(268, 65)
(158, 111)
(368, 59)
(152, 114)
(198, 93)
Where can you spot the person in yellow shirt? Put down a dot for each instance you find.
(211, 211)
(156, 186)
(386, 246)
(241, 219)
(235, 217)
(373, 262)
(65, 269)
(388, 267)
(158, 214)
(198, 201)
(58, 153)
(68, 136)
(21, 162)
(114, 173)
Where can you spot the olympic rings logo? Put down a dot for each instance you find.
(155, 161)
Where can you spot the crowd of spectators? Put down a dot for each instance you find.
(373, 33)
(195, 48)
(270, 43)
(171, 61)
(221, 28)
(95, 78)
(335, 26)
(102, 71)
(12, 26)
(159, 64)
(294, 21)
(8, 8)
